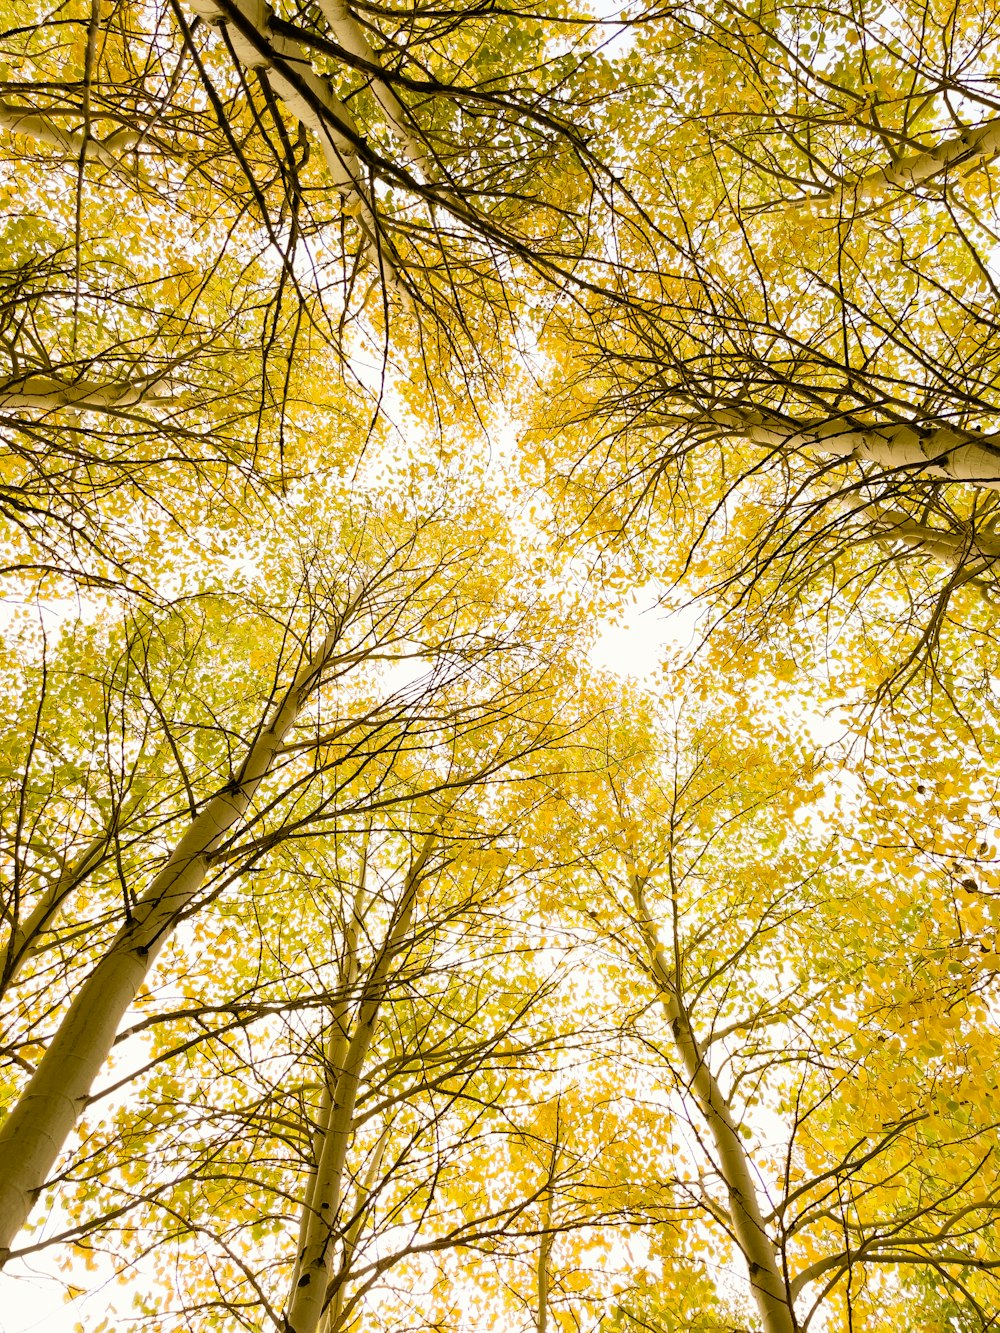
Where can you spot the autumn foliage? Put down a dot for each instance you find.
(499, 810)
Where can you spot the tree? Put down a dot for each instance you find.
(138, 383)
(201, 298)
(823, 1148)
(271, 773)
(809, 349)
(274, 1169)
(367, 958)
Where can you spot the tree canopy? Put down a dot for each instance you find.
(498, 807)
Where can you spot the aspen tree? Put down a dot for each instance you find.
(817, 1147)
(811, 340)
(346, 1057)
(371, 608)
(33, 1133)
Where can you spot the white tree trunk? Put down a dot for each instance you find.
(335, 1059)
(318, 1234)
(19, 943)
(44, 129)
(33, 1134)
(946, 455)
(964, 151)
(248, 24)
(952, 548)
(349, 34)
(544, 1254)
(43, 393)
(766, 1280)
(332, 1319)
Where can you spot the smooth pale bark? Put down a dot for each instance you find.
(349, 34)
(314, 1264)
(46, 394)
(952, 548)
(947, 455)
(964, 151)
(766, 1280)
(33, 1134)
(544, 1252)
(19, 946)
(333, 1318)
(547, 1239)
(303, 93)
(335, 1057)
(44, 129)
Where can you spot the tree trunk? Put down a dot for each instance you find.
(333, 1318)
(318, 1232)
(952, 548)
(308, 97)
(43, 393)
(19, 946)
(43, 129)
(33, 1135)
(544, 1251)
(967, 151)
(935, 451)
(335, 1059)
(766, 1280)
(349, 33)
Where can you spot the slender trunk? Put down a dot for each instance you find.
(335, 1057)
(43, 393)
(547, 1237)
(544, 1250)
(349, 33)
(766, 1281)
(43, 129)
(964, 151)
(935, 451)
(18, 947)
(335, 1310)
(306, 96)
(318, 1235)
(33, 1135)
(953, 548)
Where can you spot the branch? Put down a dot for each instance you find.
(947, 453)
(970, 149)
(74, 143)
(306, 96)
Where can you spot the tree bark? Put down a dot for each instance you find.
(952, 548)
(333, 1318)
(307, 97)
(18, 947)
(544, 1251)
(43, 129)
(33, 1135)
(349, 33)
(936, 451)
(43, 393)
(318, 1234)
(966, 151)
(766, 1280)
(335, 1057)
